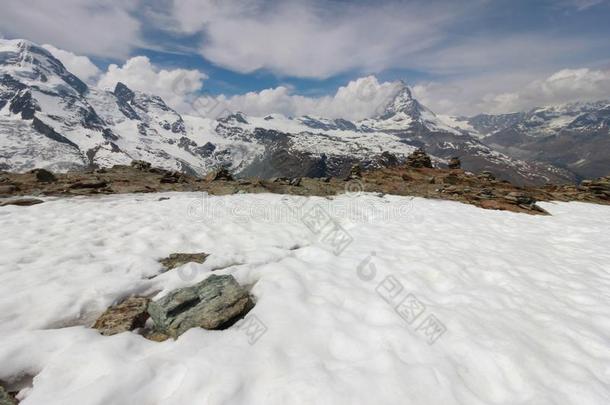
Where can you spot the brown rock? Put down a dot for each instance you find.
(419, 159)
(178, 259)
(22, 202)
(8, 189)
(126, 316)
(89, 184)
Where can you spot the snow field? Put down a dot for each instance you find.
(521, 302)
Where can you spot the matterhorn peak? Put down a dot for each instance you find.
(402, 102)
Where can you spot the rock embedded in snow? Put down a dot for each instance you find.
(179, 259)
(22, 202)
(126, 316)
(215, 303)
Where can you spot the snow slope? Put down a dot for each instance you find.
(523, 302)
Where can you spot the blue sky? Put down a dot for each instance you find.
(460, 57)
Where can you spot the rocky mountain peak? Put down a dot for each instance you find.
(123, 93)
(33, 65)
(403, 102)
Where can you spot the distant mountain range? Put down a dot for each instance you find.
(50, 118)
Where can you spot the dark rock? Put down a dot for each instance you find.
(124, 93)
(140, 165)
(22, 202)
(215, 303)
(295, 182)
(44, 176)
(24, 104)
(389, 159)
(178, 259)
(454, 163)
(419, 159)
(126, 316)
(158, 170)
(49, 132)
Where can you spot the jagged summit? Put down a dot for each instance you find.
(403, 102)
(123, 92)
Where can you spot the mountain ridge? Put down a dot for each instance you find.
(50, 118)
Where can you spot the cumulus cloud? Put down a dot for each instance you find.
(81, 66)
(175, 86)
(104, 28)
(361, 98)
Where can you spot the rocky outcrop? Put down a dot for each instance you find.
(180, 259)
(124, 317)
(600, 188)
(419, 159)
(215, 303)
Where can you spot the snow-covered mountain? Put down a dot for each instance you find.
(575, 136)
(50, 118)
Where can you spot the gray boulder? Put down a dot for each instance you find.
(215, 303)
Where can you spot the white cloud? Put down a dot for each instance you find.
(361, 98)
(175, 86)
(502, 93)
(567, 85)
(81, 66)
(103, 28)
(313, 38)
